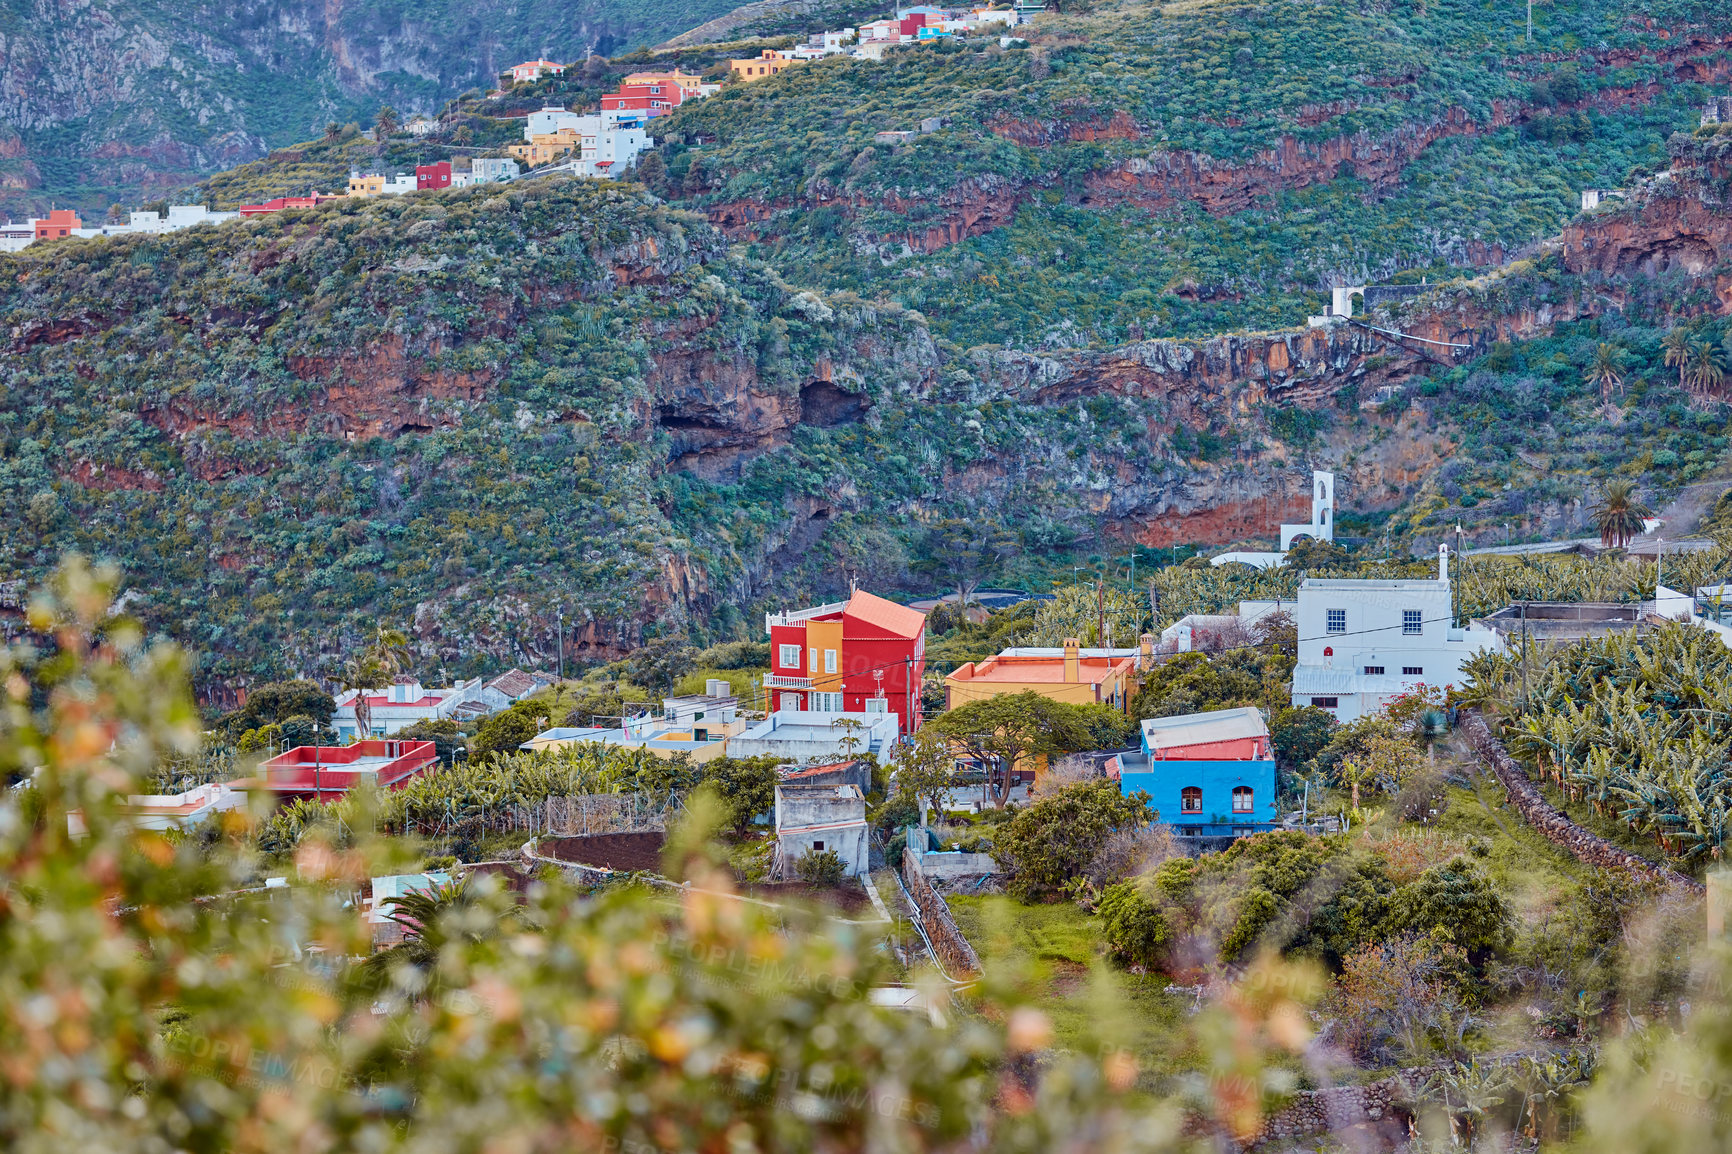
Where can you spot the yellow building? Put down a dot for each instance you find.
(545, 147)
(372, 184)
(1067, 675)
(756, 68)
(683, 80)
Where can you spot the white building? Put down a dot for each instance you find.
(1363, 643)
(170, 810)
(806, 735)
(15, 236)
(816, 818)
(493, 170)
(402, 704)
(421, 126)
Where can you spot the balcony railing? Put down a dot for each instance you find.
(779, 681)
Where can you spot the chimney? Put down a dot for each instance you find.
(1443, 564)
(1072, 660)
(1146, 651)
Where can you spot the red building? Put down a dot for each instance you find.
(57, 224)
(862, 655)
(650, 99)
(324, 771)
(911, 25)
(433, 175)
(282, 202)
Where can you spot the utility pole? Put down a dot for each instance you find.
(1530, 21)
(1100, 611)
(562, 643)
(1527, 647)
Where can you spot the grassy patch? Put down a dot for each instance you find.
(1055, 952)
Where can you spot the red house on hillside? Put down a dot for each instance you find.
(650, 99)
(278, 204)
(862, 655)
(433, 175)
(57, 223)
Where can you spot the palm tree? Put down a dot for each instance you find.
(1607, 370)
(1618, 515)
(363, 674)
(1676, 342)
(1706, 372)
(374, 668)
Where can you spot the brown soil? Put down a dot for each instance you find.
(613, 851)
(850, 897)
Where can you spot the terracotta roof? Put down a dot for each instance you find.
(1042, 670)
(886, 615)
(812, 770)
(516, 683)
(1203, 728)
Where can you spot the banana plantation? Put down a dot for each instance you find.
(495, 792)
(1638, 728)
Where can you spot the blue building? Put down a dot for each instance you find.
(1205, 772)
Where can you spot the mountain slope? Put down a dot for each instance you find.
(112, 100)
(1191, 168)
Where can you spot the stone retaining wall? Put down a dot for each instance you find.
(1336, 1109)
(1553, 823)
(952, 948)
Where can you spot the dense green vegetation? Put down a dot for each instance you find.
(1632, 727)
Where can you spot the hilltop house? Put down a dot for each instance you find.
(532, 70)
(767, 63)
(862, 655)
(58, 223)
(1364, 642)
(1204, 770)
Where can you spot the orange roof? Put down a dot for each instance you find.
(1042, 670)
(886, 615)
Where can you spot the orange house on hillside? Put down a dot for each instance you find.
(57, 224)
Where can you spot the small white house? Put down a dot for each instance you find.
(816, 818)
(1362, 643)
(403, 703)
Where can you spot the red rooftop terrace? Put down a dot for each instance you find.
(320, 771)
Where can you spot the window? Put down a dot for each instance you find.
(700, 734)
(1242, 799)
(817, 847)
(814, 665)
(1374, 671)
(1325, 702)
(1413, 671)
(877, 705)
(1337, 620)
(1412, 621)
(790, 657)
(829, 661)
(1191, 800)
(827, 702)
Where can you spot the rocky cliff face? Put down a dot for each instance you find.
(104, 101)
(1163, 179)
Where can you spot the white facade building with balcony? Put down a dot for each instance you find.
(1363, 643)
